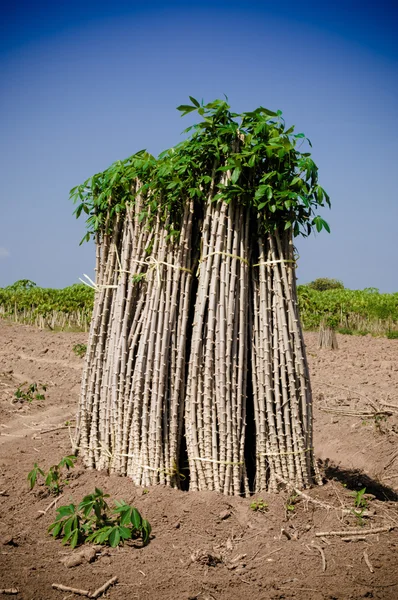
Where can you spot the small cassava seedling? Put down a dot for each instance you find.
(378, 420)
(29, 392)
(360, 504)
(290, 507)
(80, 350)
(259, 505)
(53, 478)
(94, 522)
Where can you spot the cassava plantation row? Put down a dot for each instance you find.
(195, 369)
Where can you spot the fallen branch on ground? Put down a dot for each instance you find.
(79, 592)
(322, 554)
(355, 413)
(388, 465)
(286, 534)
(394, 406)
(356, 531)
(43, 512)
(65, 588)
(51, 430)
(104, 587)
(345, 511)
(11, 591)
(368, 563)
(266, 555)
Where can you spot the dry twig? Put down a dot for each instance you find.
(104, 587)
(43, 512)
(322, 554)
(266, 555)
(65, 588)
(355, 413)
(345, 511)
(356, 531)
(79, 592)
(326, 541)
(393, 406)
(10, 591)
(368, 563)
(51, 430)
(388, 465)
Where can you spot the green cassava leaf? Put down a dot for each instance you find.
(56, 528)
(135, 519)
(114, 537)
(125, 517)
(195, 102)
(125, 532)
(146, 531)
(65, 511)
(325, 225)
(74, 539)
(186, 108)
(235, 174)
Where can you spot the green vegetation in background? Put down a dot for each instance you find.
(68, 308)
(323, 283)
(348, 311)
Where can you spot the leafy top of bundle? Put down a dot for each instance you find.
(265, 171)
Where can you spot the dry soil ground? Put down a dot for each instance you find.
(204, 545)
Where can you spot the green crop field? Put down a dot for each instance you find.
(347, 311)
(67, 309)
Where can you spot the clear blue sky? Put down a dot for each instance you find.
(86, 83)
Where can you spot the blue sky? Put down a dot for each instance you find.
(83, 84)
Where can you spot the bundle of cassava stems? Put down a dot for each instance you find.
(196, 372)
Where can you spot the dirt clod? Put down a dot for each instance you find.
(225, 514)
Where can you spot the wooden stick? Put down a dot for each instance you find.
(368, 563)
(50, 430)
(65, 588)
(345, 511)
(43, 512)
(356, 531)
(11, 591)
(104, 587)
(326, 541)
(354, 413)
(391, 461)
(266, 555)
(389, 405)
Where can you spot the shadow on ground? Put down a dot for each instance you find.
(355, 479)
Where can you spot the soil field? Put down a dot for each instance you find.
(205, 546)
